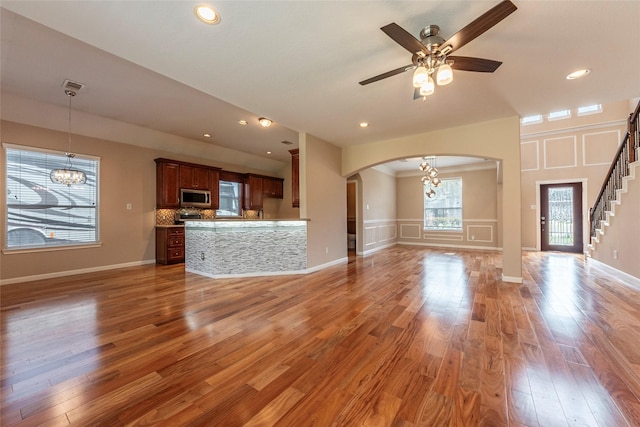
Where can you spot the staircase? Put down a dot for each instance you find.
(624, 168)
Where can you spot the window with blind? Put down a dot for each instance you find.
(41, 214)
(444, 211)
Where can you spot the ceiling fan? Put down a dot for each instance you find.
(431, 54)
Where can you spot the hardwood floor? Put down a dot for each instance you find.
(407, 336)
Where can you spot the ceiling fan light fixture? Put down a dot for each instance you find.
(444, 75)
(420, 76)
(428, 87)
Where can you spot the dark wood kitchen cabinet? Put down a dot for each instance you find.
(169, 245)
(253, 197)
(172, 175)
(167, 184)
(194, 177)
(295, 178)
(273, 187)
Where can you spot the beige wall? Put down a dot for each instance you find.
(618, 247)
(479, 211)
(497, 139)
(378, 227)
(323, 200)
(579, 149)
(128, 175)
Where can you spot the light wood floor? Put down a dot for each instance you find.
(407, 336)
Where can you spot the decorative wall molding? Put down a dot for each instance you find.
(537, 149)
(575, 129)
(616, 141)
(490, 227)
(457, 238)
(404, 227)
(571, 138)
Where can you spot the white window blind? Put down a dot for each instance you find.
(43, 214)
(444, 211)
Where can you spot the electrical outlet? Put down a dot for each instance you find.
(473, 237)
(326, 250)
(615, 254)
(129, 206)
(202, 256)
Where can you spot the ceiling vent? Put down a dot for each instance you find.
(73, 86)
(287, 142)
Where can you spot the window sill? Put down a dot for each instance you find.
(15, 251)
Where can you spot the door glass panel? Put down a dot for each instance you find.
(560, 221)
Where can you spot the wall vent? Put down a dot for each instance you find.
(73, 86)
(287, 142)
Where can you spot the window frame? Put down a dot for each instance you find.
(426, 200)
(238, 178)
(96, 242)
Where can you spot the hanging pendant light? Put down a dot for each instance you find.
(68, 175)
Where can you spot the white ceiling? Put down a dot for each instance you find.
(299, 63)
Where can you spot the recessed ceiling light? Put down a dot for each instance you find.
(265, 122)
(578, 73)
(242, 122)
(364, 124)
(206, 14)
(207, 135)
(268, 152)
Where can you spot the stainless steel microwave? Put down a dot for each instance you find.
(195, 198)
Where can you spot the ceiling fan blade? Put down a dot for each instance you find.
(480, 25)
(403, 38)
(480, 65)
(388, 74)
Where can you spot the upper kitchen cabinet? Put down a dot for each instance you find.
(214, 188)
(194, 177)
(295, 178)
(172, 175)
(253, 196)
(273, 187)
(167, 184)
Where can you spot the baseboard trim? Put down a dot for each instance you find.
(442, 245)
(612, 271)
(511, 279)
(74, 272)
(374, 250)
(271, 273)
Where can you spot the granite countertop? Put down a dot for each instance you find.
(170, 226)
(248, 219)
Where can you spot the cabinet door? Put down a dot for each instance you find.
(295, 178)
(200, 179)
(167, 185)
(278, 188)
(214, 187)
(267, 187)
(253, 192)
(186, 176)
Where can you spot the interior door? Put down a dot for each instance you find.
(561, 217)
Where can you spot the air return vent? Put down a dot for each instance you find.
(287, 142)
(73, 86)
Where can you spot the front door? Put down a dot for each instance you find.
(561, 217)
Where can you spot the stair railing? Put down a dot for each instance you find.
(627, 153)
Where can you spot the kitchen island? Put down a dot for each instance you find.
(245, 247)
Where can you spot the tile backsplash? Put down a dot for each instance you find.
(167, 216)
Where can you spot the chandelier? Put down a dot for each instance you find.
(430, 178)
(68, 175)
